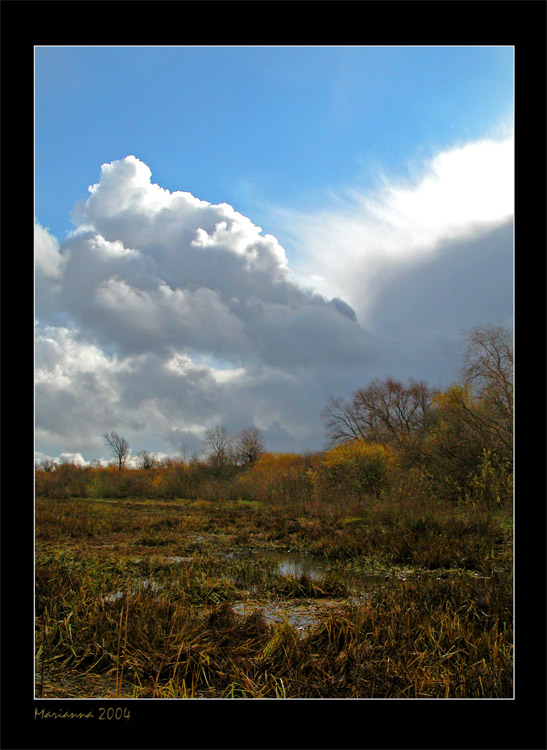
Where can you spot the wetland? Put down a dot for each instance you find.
(224, 598)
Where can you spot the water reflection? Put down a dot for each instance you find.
(285, 563)
(318, 569)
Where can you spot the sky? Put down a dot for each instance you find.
(231, 235)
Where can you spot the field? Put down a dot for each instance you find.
(272, 597)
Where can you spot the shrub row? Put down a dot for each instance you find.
(356, 471)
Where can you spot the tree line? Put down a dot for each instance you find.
(222, 449)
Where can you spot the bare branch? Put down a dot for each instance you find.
(145, 460)
(119, 447)
(250, 445)
(384, 411)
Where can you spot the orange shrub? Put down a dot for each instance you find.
(276, 476)
(66, 480)
(357, 468)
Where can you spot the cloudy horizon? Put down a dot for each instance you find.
(164, 311)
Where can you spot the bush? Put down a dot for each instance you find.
(113, 482)
(356, 469)
(458, 459)
(66, 480)
(492, 484)
(276, 476)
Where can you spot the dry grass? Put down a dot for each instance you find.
(115, 616)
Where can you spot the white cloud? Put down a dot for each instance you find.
(460, 193)
(48, 260)
(49, 266)
(462, 188)
(73, 458)
(150, 270)
(60, 356)
(162, 314)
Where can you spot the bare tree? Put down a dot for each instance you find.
(145, 460)
(219, 446)
(342, 422)
(488, 372)
(249, 445)
(47, 464)
(489, 363)
(385, 411)
(119, 447)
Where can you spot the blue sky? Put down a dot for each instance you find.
(349, 174)
(250, 125)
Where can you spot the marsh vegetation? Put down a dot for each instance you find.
(147, 598)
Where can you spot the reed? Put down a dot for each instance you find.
(138, 598)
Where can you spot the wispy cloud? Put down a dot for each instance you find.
(362, 238)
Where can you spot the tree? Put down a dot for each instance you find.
(386, 411)
(470, 449)
(342, 421)
(218, 444)
(356, 468)
(119, 447)
(250, 445)
(47, 464)
(453, 448)
(145, 460)
(488, 373)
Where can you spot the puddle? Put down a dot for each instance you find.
(307, 614)
(286, 563)
(303, 616)
(296, 564)
(318, 569)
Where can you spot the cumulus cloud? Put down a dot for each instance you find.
(148, 270)
(162, 314)
(177, 309)
(48, 260)
(49, 265)
(192, 241)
